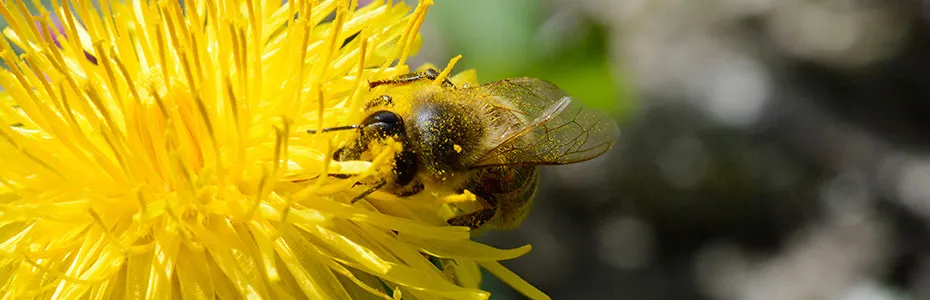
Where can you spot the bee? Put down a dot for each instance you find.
(488, 139)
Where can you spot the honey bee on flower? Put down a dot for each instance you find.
(484, 139)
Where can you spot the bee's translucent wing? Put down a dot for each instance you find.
(533, 122)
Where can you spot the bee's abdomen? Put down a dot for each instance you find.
(446, 136)
(510, 190)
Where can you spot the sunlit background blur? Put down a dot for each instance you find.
(771, 149)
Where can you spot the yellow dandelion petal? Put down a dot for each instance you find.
(159, 149)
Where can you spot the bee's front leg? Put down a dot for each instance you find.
(381, 183)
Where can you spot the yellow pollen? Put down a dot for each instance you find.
(465, 196)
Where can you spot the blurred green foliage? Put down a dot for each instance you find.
(504, 39)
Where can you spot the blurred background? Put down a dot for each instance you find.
(771, 149)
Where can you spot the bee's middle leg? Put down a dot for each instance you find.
(429, 74)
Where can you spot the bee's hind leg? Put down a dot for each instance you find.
(473, 220)
(478, 218)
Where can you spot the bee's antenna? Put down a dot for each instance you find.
(337, 128)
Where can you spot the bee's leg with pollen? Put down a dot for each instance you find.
(476, 219)
(383, 100)
(429, 74)
(411, 190)
(472, 220)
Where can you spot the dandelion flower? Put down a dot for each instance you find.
(158, 149)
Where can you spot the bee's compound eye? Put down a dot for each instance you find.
(405, 167)
(384, 122)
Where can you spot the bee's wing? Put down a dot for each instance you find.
(533, 122)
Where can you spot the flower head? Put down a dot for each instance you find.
(157, 149)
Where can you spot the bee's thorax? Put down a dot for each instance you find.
(445, 137)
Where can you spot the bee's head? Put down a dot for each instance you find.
(377, 126)
(383, 124)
